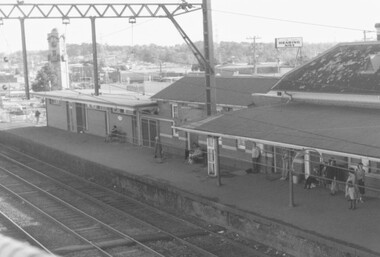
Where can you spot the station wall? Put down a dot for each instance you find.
(56, 112)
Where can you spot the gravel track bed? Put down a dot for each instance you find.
(46, 232)
(101, 213)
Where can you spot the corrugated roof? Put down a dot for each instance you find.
(235, 91)
(122, 99)
(340, 129)
(346, 68)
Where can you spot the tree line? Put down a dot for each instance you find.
(225, 52)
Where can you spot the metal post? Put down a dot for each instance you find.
(209, 56)
(95, 56)
(291, 194)
(217, 162)
(25, 58)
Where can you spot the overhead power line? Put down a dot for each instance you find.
(292, 21)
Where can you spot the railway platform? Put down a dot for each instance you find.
(315, 212)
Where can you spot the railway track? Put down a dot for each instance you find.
(112, 219)
(10, 228)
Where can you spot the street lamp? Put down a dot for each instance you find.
(185, 5)
(65, 21)
(132, 20)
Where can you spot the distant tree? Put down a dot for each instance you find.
(46, 78)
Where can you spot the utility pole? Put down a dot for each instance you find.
(25, 58)
(254, 38)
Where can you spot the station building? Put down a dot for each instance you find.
(82, 112)
(325, 109)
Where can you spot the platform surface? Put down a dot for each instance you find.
(315, 209)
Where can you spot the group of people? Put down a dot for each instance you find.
(354, 186)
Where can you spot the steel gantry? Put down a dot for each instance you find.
(23, 11)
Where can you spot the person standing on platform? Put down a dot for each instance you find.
(285, 164)
(255, 158)
(331, 173)
(360, 175)
(157, 149)
(351, 194)
(37, 116)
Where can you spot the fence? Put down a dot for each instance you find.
(26, 115)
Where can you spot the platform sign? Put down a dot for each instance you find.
(212, 156)
(289, 42)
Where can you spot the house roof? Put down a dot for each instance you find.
(340, 129)
(122, 99)
(347, 68)
(235, 91)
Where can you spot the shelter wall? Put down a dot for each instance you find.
(96, 120)
(56, 112)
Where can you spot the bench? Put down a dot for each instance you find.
(120, 137)
(198, 158)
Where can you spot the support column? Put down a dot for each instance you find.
(209, 56)
(138, 129)
(25, 58)
(213, 168)
(267, 161)
(95, 56)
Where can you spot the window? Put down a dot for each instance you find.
(227, 109)
(97, 107)
(374, 167)
(175, 111)
(54, 101)
(117, 110)
(240, 143)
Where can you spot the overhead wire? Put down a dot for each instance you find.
(292, 21)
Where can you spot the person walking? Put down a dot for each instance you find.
(360, 176)
(255, 158)
(37, 116)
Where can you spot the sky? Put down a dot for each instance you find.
(238, 20)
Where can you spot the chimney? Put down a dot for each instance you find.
(377, 26)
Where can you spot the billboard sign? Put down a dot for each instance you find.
(288, 42)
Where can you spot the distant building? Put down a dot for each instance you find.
(233, 69)
(81, 75)
(57, 57)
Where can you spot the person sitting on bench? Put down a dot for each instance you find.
(196, 153)
(311, 179)
(114, 133)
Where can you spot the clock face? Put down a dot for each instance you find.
(53, 42)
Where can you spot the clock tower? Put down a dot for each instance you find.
(58, 59)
